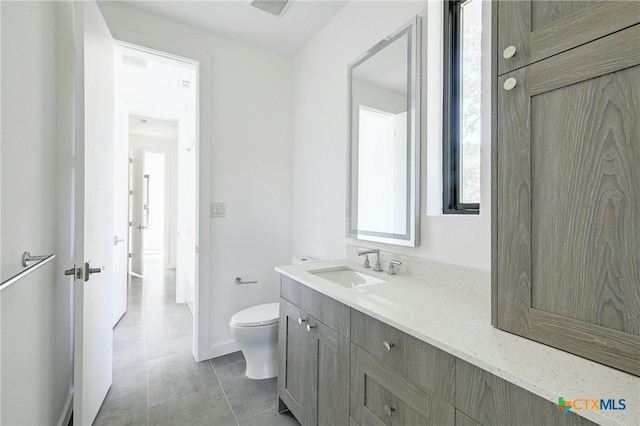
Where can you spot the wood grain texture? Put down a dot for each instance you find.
(513, 200)
(603, 56)
(369, 334)
(328, 376)
(490, 400)
(578, 26)
(464, 420)
(327, 310)
(514, 27)
(549, 12)
(292, 359)
(616, 349)
(375, 385)
(586, 199)
(429, 367)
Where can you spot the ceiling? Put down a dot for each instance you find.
(238, 20)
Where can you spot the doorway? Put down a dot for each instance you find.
(156, 162)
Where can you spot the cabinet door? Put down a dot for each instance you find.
(292, 386)
(535, 30)
(568, 197)
(490, 400)
(328, 375)
(382, 396)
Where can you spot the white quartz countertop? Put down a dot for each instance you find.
(458, 321)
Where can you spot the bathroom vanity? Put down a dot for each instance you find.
(419, 350)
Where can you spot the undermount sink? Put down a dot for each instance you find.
(347, 277)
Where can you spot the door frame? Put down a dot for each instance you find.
(201, 349)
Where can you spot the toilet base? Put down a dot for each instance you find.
(259, 345)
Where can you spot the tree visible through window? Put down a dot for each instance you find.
(462, 101)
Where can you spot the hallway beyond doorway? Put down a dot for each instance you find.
(156, 381)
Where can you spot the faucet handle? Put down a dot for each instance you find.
(392, 266)
(366, 261)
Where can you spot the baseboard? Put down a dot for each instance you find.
(219, 350)
(66, 411)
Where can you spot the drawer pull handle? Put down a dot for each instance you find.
(509, 52)
(388, 346)
(309, 327)
(300, 321)
(388, 411)
(510, 83)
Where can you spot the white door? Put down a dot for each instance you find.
(93, 312)
(139, 216)
(120, 209)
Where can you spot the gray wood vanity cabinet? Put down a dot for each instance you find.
(313, 381)
(397, 379)
(566, 229)
(352, 369)
(483, 398)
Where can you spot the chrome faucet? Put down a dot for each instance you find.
(378, 265)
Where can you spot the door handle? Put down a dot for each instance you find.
(141, 227)
(117, 240)
(75, 272)
(88, 270)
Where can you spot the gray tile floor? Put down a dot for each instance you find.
(156, 381)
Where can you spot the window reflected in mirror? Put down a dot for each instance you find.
(383, 130)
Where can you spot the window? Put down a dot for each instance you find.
(462, 101)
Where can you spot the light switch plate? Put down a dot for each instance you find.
(217, 210)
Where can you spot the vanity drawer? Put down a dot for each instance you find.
(427, 366)
(382, 396)
(385, 343)
(323, 308)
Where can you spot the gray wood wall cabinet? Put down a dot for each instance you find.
(566, 181)
(363, 372)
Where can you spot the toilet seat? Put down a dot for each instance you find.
(256, 316)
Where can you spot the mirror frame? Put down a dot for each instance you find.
(414, 61)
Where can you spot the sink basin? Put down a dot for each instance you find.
(347, 277)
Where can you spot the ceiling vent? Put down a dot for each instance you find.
(275, 7)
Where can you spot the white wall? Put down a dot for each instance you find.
(245, 147)
(320, 137)
(36, 333)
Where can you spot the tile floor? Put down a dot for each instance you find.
(156, 380)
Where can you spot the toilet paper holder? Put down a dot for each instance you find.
(239, 281)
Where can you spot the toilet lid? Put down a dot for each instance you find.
(254, 316)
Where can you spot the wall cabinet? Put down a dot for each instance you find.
(529, 31)
(566, 150)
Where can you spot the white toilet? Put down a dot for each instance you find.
(255, 330)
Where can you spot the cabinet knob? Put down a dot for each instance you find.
(309, 327)
(509, 83)
(388, 411)
(509, 52)
(388, 346)
(300, 321)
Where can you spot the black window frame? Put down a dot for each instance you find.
(451, 113)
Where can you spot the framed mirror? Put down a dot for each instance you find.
(383, 199)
